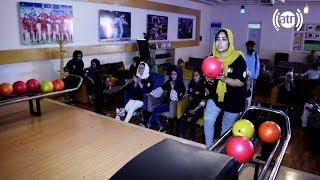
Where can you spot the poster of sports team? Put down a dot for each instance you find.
(44, 23)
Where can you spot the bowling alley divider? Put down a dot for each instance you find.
(37, 96)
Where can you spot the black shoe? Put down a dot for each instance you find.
(162, 129)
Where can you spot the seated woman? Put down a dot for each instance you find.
(312, 107)
(310, 120)
(139, 86)
(95, 74)
(74, 66)
(313, 73)
(286, 92)
(196, 98)
(173, 90)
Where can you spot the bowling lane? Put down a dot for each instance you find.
(67, 143)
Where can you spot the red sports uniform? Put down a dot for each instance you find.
(26, 23)
(43, 21)
(54, 21)
(62, 24)
(34, 22)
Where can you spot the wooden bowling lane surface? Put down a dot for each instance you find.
(67, 143)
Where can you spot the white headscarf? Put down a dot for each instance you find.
(145, 73)
(289, 74)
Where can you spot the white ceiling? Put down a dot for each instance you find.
(245, 2)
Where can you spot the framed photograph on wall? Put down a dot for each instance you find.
(297, 41)
(307, 38)
(114, 25)
(157, 27)
(185, 28)
(45, 23)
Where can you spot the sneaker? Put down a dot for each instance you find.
(148, 125)
(142, 125)
(117, 118)
(161, 129)
(90, 99)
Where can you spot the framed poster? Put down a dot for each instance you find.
(114, 25)
(308, 38)
(157, 27)
(45, 23)
(297, 41)
(185, 28)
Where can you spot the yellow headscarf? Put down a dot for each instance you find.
(230, 57)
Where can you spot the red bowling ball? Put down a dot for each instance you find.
(33, 85)
(20, 87)
(212, 67)
(240, 148)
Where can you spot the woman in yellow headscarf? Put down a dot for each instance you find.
(227, 92)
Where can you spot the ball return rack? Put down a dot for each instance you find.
(31, 97)
(268, 163)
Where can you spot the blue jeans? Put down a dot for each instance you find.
(156, 110)
(211, 113)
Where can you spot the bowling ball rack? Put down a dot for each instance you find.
(31, 97)
(267, 164)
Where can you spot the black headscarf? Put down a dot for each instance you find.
(75, 54)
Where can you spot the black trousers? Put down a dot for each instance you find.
(194, 118)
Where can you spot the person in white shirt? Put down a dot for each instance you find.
(313, 73)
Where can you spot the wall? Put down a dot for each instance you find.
(206, 18)
(86, 33)
(86, 20)
(271, 40)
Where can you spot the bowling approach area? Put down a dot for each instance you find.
(72, 143)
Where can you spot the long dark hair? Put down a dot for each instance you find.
(200, 73)
(175, 69)
(219, 31)
(97, 62)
